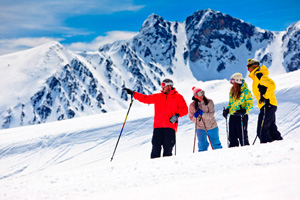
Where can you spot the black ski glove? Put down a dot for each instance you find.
(225, 112)
(174, 118)
(242, 111)
(129, 91)
(264, 100)
(262, 89)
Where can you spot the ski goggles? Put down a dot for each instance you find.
(232, 81)
(239, 81)
(199, 93)
(253, 66)
(163, 84)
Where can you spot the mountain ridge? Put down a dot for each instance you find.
(54, 83)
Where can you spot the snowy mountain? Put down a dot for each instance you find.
(220, 43)
(50, 83)
(70, 159)
(291, 48)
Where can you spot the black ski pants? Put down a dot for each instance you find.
(235, 131)
(267, 132)
(162, 137)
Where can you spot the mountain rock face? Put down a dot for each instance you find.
(51, 83)
(291, 47)
(156, 41)
(64, 93)
(215, 41)
(58, 92)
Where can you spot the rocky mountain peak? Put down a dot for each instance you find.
(292, 51)
(153, 20)
(208, 45)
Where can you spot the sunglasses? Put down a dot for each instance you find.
(163, 84)
(199, 94)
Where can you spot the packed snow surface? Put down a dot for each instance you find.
(70, 159)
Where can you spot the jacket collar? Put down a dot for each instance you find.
(263, 69)
(173, 91)
(252, 74)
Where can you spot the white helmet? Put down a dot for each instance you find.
(237, 78)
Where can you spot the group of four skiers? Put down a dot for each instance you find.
(169, 105)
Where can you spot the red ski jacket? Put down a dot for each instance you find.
(165, 106)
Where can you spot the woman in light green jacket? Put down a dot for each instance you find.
(240, 104)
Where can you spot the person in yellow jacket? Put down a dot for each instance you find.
(239, 106)
(263, 89)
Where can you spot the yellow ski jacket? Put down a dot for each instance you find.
(263, 85)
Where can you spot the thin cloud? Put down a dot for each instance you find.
(18, 44)
(110, 37)
(49, 15)
(12, 45)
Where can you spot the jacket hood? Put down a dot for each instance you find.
(263, 69)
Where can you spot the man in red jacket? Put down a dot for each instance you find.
(169, 105)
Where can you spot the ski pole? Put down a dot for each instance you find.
(207, 134)
(176, 127)
(227, 132)
(195, 136)
(242, 125)
(227, 129)
(262, 123)
(122, 128)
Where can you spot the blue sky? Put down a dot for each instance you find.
(86, 24)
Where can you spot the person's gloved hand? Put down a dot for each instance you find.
(225, 112)
(242, 111)
(262, 89)
(197, 113)
(129, 91)
(174, 118)
(262, 99)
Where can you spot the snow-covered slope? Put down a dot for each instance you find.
(51, 83)
(70, 159)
